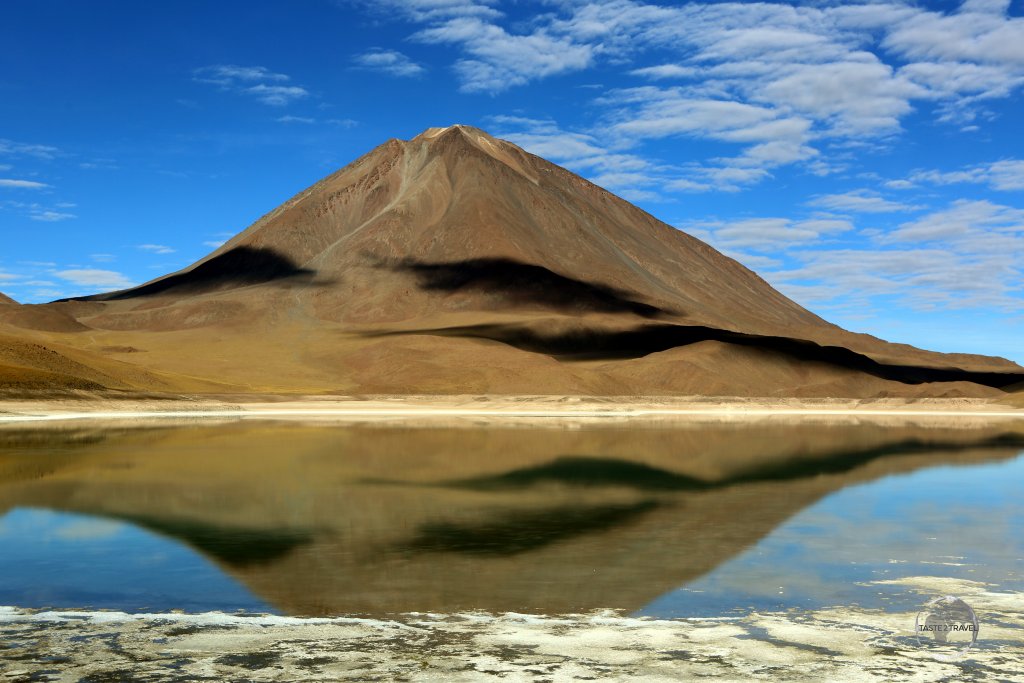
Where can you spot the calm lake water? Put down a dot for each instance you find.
(658, 519)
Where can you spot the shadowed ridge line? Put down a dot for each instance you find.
(239, 267)
(235, 546)
(593, 344)
(515, 532)
(591, 472)
(524, 284)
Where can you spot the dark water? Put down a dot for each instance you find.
(692, 519)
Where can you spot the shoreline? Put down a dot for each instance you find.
(434, 408)
(847, 643)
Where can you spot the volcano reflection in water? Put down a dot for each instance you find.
(378, 519)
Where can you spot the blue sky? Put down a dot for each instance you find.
(865, 158)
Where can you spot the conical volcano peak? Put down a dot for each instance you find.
(457, 128)
(463, 137)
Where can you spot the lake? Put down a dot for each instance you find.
(659, 519)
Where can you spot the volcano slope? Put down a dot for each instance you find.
(456, 262)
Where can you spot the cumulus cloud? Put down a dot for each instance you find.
(390, 62)
(266, 86)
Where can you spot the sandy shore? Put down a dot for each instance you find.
(836, 644)
(23, 410)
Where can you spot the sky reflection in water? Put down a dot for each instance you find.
(60, 559)
(957, 522)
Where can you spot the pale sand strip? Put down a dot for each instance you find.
(432, 407)
(532, 414)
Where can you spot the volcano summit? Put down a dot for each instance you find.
(456, 262)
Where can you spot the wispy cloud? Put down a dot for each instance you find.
(666, 71)
(435, 10)
(156, 248)
(23, 184)
(343, 123)
(627, 174)
(295, 119)
(49, 216)
(266, 86)
(1006, 175)
(12, 148)
(963, 219)
(861, 201)
(390, 62)
(768, 234)
(498, 60)
(88, 277)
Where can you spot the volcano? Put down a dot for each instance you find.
(456, 262)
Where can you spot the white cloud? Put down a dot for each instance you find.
(156, 248)
(860, 201)
(103, 258)
(87, 277)
(391, 62)
(266, 86)
(24, 184)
